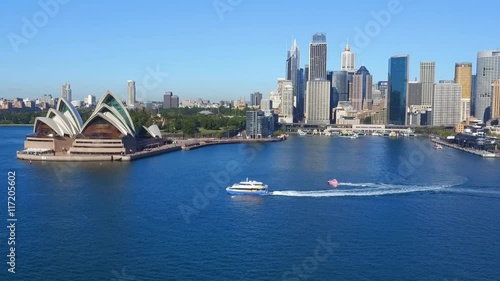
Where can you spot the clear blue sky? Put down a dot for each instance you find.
(99, 45)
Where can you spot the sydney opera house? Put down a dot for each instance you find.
(108, 131)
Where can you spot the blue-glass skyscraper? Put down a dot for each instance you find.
(398, 89)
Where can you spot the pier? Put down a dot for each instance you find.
(178, 145)
(482, 153)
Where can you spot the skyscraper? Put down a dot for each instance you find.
(317, 57)
(318, 87)
(446, 104)
(318, 102)
(292, 70)
(348, 60)
(398, 89)
(463, 76)
(488, 70)
(285, 89)
(414, 93)
(66, 92)
(300, 95)
(427, 78)
(340, 85)
(130, 93)
(167, 100)
(361, 97)
(495, 100)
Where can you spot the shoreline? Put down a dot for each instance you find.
(179, 145)
(482, 153)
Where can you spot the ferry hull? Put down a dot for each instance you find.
(241, 192)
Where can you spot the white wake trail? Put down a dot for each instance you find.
(367, 189)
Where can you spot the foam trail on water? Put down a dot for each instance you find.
(368, 189)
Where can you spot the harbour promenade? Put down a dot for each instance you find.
(175, 146)
(482, 153)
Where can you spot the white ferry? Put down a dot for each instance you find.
(248, 187)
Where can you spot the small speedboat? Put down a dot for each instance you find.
(248, 187)
(438, 146)
(333, 183)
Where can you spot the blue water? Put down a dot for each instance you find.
(403, 212)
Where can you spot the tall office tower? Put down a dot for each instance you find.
(90, 100)
(340, 85)
(361, 97)
(473, 97)
(300, 95)
(167, 100)
(258, 98)
(446, 104)
(318, 87)
(317, 57)
(463, 76)
(334, 97)
(414, 93)
(306, 73)
(495, 100)
(318, 102)
(66, 92)
(285, 89)
(130, 93)
(292, 69)
(427, 78)
(174, 101)
(397, 89)
(488, 70)
(348, 60)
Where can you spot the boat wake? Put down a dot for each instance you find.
(364, 189)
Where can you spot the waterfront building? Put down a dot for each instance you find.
(446, 104)
(285, 90)
(495, 100)
(398, 89)
(361, 97)
(427, 78)
(66, 92)
(259, 124)
(108, 131)
(348, 60)
(487, 71)
(131, 93)
(318, 87)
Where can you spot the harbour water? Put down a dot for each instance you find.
(403, 211)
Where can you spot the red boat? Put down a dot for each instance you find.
(333, 182)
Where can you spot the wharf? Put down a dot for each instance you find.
(176, 146)
(481, 153)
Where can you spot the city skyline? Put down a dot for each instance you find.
(101, 52)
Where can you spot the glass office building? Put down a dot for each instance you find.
(398, 89)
